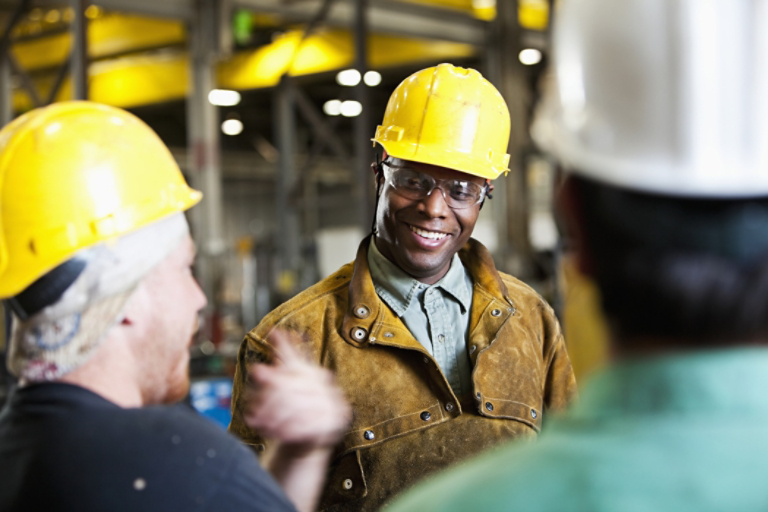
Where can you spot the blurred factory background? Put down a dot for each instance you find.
(269, 107)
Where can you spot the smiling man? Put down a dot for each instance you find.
(440, 355)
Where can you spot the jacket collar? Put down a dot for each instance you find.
(477, 259)
(369, 321)
(399, 290)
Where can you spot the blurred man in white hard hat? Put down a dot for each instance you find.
(95, 262)
(660, 117)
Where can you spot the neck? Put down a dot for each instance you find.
(430, 280)
(426, 279)
(110, 373)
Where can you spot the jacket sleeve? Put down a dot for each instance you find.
(560, 381)
(252, 350)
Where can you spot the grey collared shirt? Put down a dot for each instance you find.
(437, 315)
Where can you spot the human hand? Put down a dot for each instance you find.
(294, 401)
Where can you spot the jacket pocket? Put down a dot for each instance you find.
(346, 481)
(364, 437)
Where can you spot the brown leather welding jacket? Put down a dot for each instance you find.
(407, 421)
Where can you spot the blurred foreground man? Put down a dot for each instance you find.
(440, 355)
(95, 262)
(660, 115)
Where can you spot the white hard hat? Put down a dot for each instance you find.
(663, 96)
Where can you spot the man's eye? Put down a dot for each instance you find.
(413, 182)
(463, 191)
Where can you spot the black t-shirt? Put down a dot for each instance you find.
(63, 447)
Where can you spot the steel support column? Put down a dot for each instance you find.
(363, 149)
(6, 91)
(79, 54)
(289, 234)
(508, 75)
(203, 146)
(6, 68)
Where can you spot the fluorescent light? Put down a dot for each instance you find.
(351, 108)
(232, 127)
(372, 78)
(530, 56)
(332, 107)
(224, 98)
(348, 77)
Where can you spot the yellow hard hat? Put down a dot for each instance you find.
(451, 117)
(74, 174)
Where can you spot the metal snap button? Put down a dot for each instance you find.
(369, 435)
(347, 484)
(479, 396)
(440, 338)
(533, 414)
(449, 407)
(426, 416)
(362, 312)
(496, 312)
(489, 406)
(388, 335)
(359, 333)
(472, 349)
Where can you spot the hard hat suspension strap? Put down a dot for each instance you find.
(379, 173)
(46, 290)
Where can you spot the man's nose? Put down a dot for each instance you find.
(435, 205)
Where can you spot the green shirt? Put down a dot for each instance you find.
(436, 315)
(678, 433)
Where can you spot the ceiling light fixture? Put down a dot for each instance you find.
(530, 56)
(224, 97)
(232, 127)
(372, 78)
(348, 77)
(351, 108)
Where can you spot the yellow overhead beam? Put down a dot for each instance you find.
(126, 82)
(109, 34)
(327, 51)
(483, 9)
(153, 78)
(531, 14)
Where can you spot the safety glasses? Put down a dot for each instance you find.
(412, 184)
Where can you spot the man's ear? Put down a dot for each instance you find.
(569, 208)
(132, 309)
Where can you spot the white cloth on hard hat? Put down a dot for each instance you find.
(64, 335)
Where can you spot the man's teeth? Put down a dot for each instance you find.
(432, 235)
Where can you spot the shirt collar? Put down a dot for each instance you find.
(399, 290)
(728, 380)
